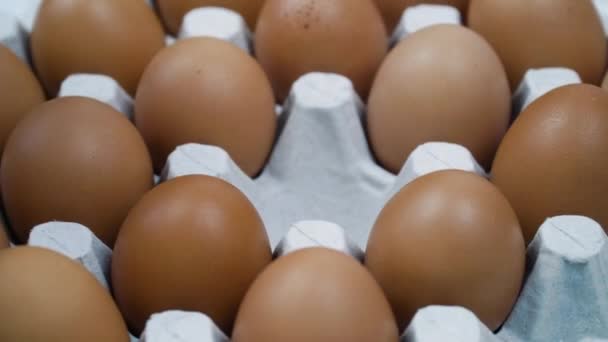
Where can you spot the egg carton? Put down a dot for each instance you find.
(322, 169)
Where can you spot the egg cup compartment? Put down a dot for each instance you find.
(321, 167)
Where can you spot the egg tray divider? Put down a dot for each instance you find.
(322, 168)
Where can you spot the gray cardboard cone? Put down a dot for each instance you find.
(447, 323)
(180, 326)
(76, 242)
(307, 234)
(565, 296)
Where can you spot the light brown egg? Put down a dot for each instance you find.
(392, 10)
(74, 159)
(204, 90)
(315, 295)
(542, 33)
(19, 92)
(553, 159)
(47, 297)
(443, 83)
(194, 243)
(112, 37)
(448, 238)
(295, 37)
(173, 11)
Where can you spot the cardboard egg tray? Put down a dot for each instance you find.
(322, 187)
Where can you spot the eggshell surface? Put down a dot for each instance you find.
(74, 159)
(443, 83)
(48, 297)
(19, 92)
(448, 238)
(392, 10)
(204, 90)
(543, 33)
(553, 159)
(315, 295)
(295, 37)
(173, 11)
(4, 240)
(116, 38)
(194, 243)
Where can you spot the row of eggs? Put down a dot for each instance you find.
(561, 132)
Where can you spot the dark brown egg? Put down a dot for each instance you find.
(173, 11)
(4, 240)
(19, 92)
(74, 159)
(553, 159)
(443, 83)
(316, 295)
(543, 33)
(48, 297)
(392, 10)
(194, 243)
(204, 90)
(295, 37)
(448, 238)
(112, 37)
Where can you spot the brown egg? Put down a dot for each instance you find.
(48, 297)
(392, 10)
(448, 238)
(74, 159)
(553, 159)
(194, 243)
(204, 90)
(542, 33)
(443, 83)
(19, 92)
(4, 240)
(295, 37)
(173, 11)
(112, 37)
(316, 295)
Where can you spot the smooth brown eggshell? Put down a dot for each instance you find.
(74, 159)
(19, 92)
(392, 10)
(207, 91)
(295, 37)
(45, 296)
(543, 33)
(553, 159)
(448, 238)
(112, 37)
(173, 11)
(194, 243)
(443, 83)
(316, 295)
